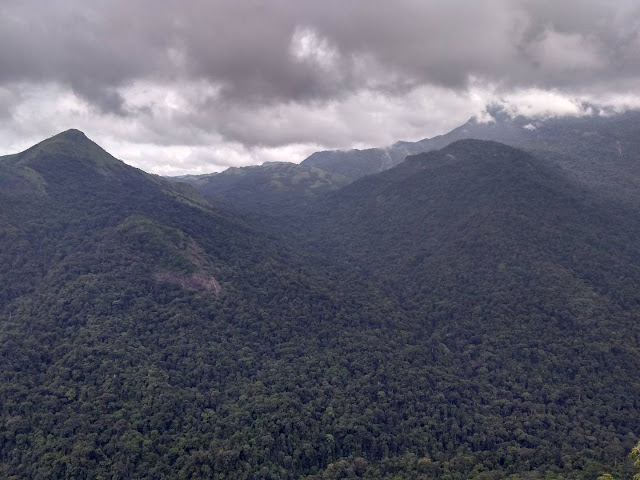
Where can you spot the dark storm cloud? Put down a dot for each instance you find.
(279, 73)
(246, 45)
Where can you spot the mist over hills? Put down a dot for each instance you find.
(469, 313)
(599, 148)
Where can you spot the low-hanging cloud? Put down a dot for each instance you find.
(262, 79)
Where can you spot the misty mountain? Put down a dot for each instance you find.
(468, 314)
(600, 149)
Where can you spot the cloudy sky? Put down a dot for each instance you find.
(195, 86)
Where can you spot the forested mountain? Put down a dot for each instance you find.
(273, 187)
(600, 149)
(145, 334)
(517, 281)
(354, 164)
(468, 314)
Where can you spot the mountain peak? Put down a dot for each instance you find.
(71, 144)
(72, 137)
(70, 155)
(73, 134)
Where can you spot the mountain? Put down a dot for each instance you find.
(515, 280)
(142, 330)
(468, 314)
(67, 193)
(600, 149)
(495, 192)
(273, 187)
(354, 164)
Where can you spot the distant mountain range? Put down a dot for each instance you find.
(279, 186)
(598, 150)
(570, 135)
(468, 312)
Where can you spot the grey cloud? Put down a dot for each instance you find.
(106, 98)
(245, 46)
(332, 68)
(6, 104)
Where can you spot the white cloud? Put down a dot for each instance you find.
(307, 45)
(172, 133)
(537, 103)
(615, 102)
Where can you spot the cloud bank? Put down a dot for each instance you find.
(195, 86)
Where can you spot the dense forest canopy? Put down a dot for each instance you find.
(470, 313)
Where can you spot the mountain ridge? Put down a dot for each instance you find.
(468, 314)
(273, 188)
(571, 141)
(69, 143)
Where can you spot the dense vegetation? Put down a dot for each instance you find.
(354, 164)
(599, 150)
(273, 188)
(521, 280)
(471, 313)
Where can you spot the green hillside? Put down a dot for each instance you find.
(274, 188)
(517, 282)
(469, 314)
(144, 334)
(600, 150)
(354, 164)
